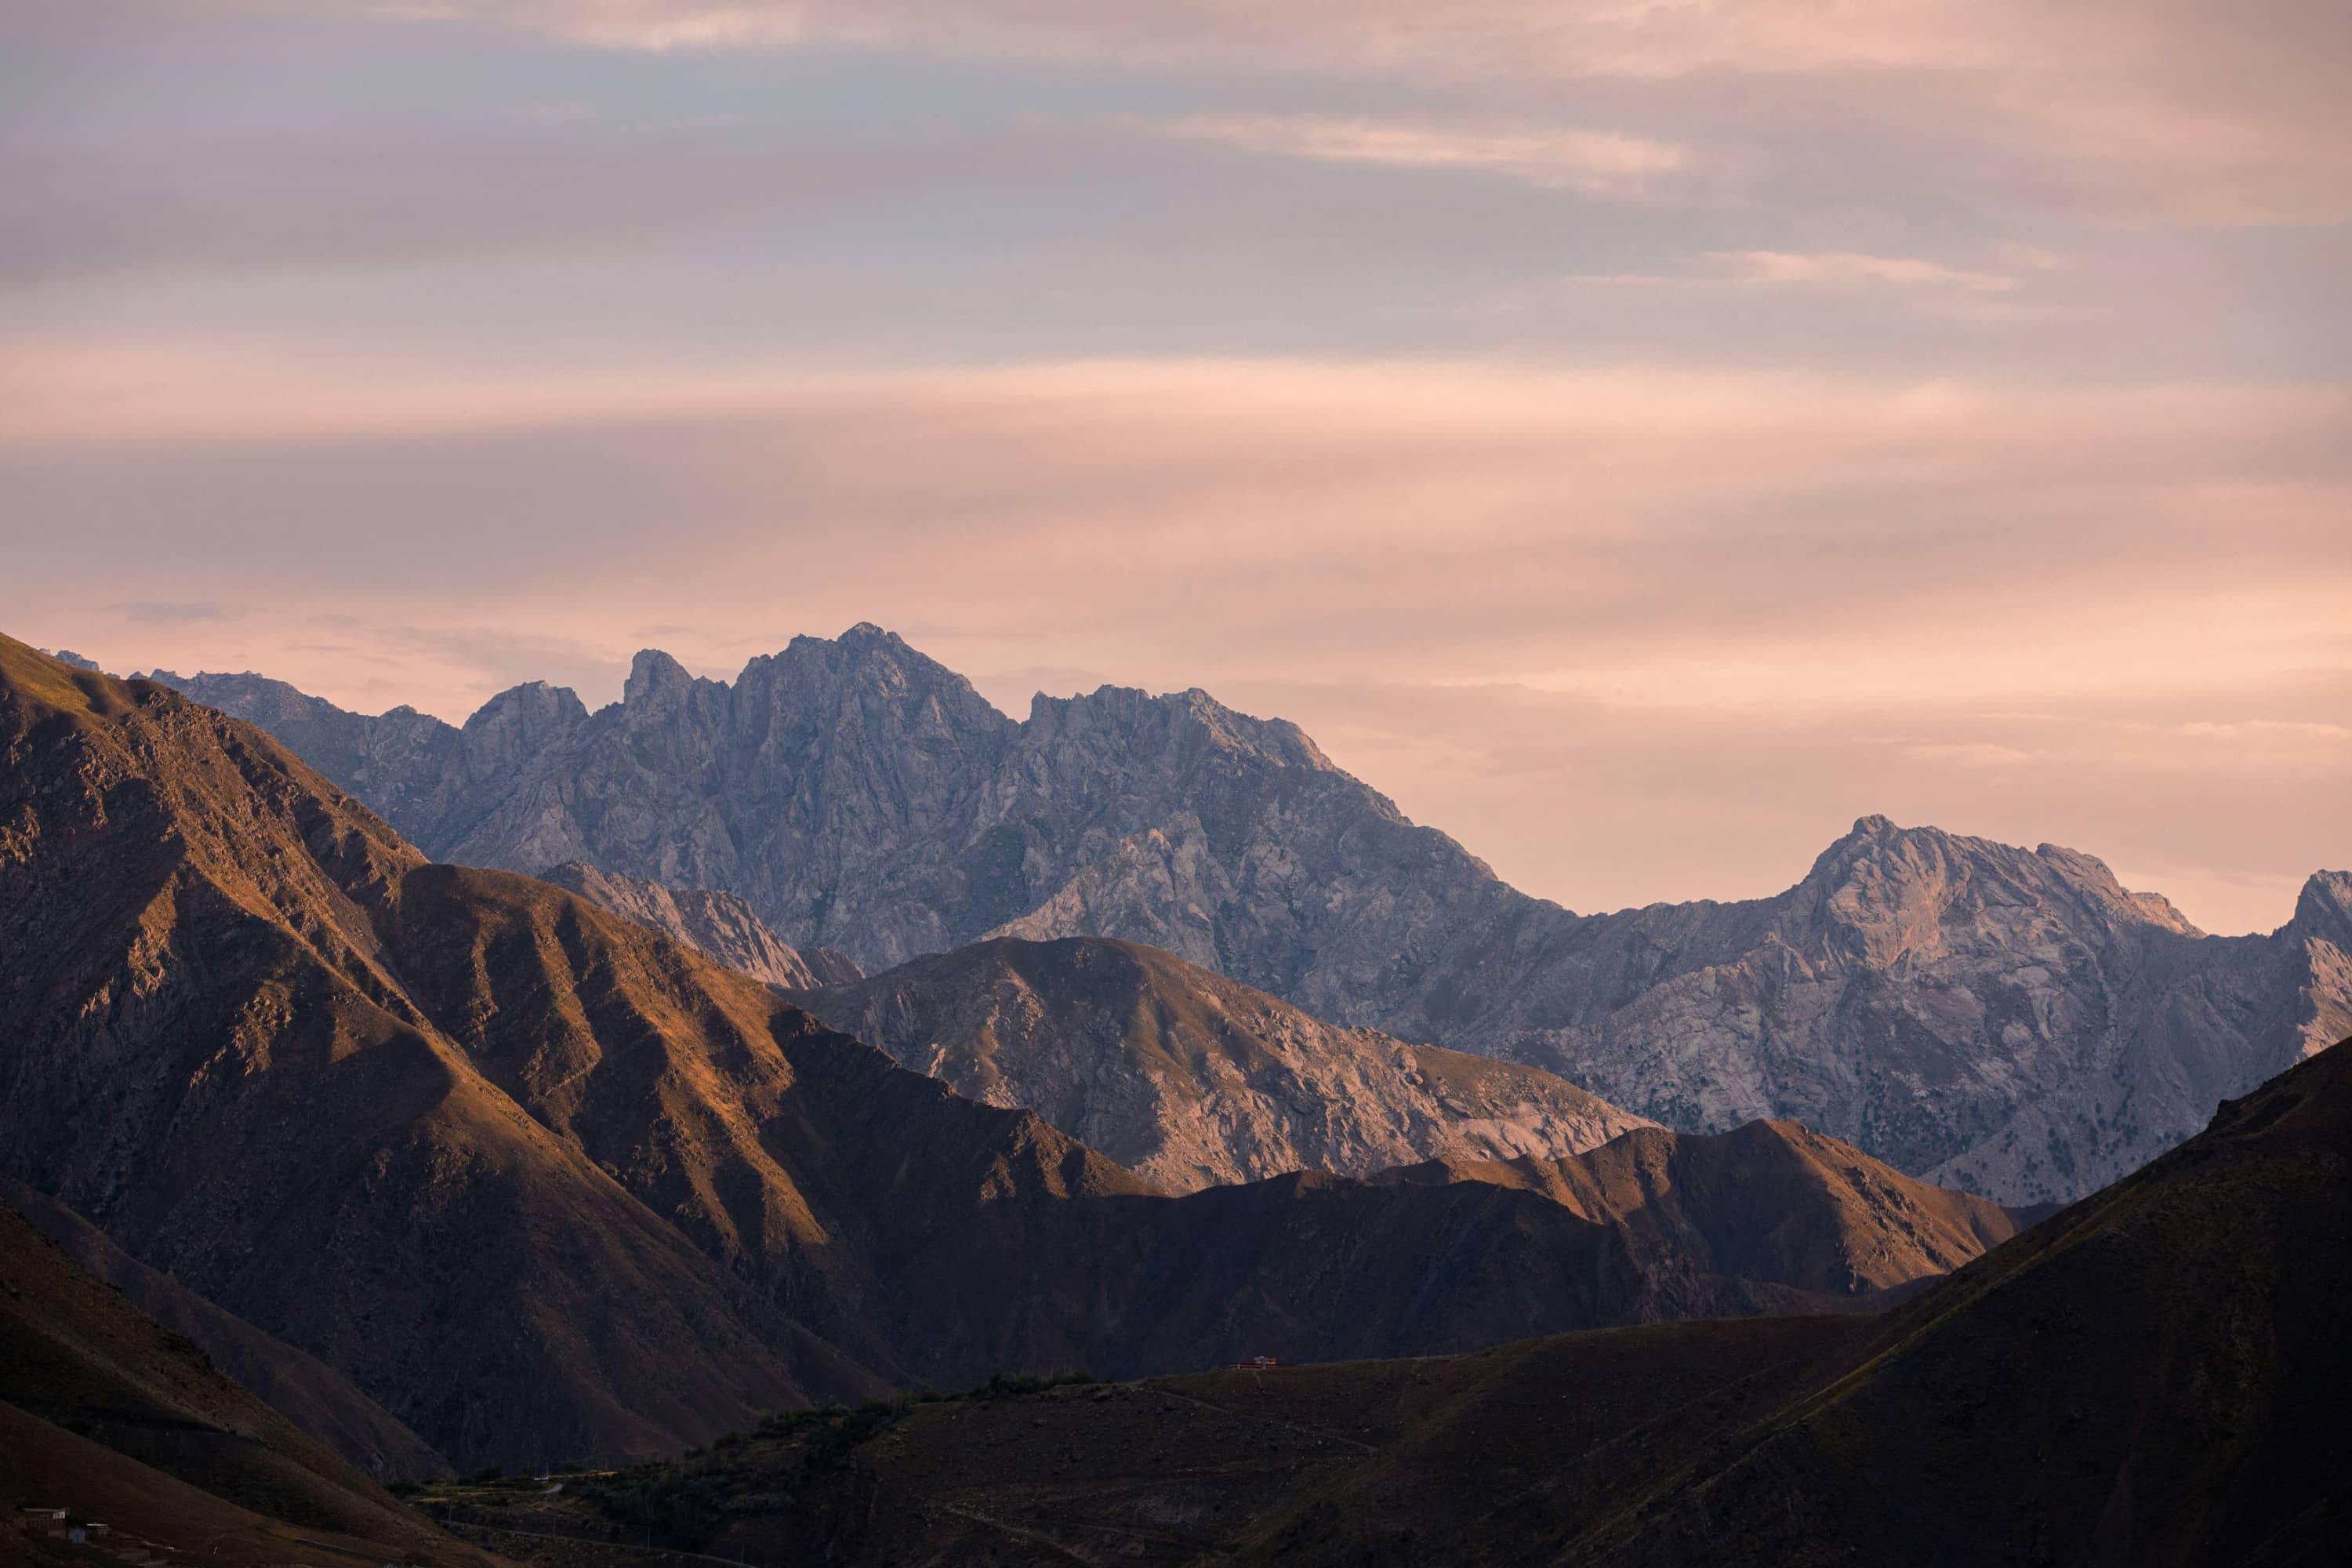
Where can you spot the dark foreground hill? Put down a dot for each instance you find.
(305, 1390)
(2161, 1375)
(546, 1186)
(106, 1412)
(2014, 1021)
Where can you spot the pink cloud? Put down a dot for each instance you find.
(2209, 114)
(1629, 632)
(1595, 162)
(1771, 267)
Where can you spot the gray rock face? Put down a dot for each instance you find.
(720, 925)
(2005, 1021)
(397, 763)
(1192, 1079)
(2010, 1020)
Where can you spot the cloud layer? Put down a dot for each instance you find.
(1640, 435)
(1541, 606)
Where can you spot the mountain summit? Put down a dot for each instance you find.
(2012, 1019)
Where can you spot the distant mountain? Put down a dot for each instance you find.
(109, 1413)
(719, 925)
(2010, 1020)
(547, 1185)
(2154, 1376)
(1190, 1078)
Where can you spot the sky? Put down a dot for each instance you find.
(1640, 438)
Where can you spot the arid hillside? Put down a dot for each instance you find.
(112, 1417)
(2156, 1376)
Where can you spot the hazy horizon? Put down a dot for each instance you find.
(1638, 439)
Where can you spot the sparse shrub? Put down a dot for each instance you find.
(488, 1474)
(680, 1511)
(1012, 1386)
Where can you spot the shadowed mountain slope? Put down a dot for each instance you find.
(2157, 1375)
(311, 1394)
(1190, 1078)
(1773, 1200)
(79, 1365)
(221, 1048)
(2009, 1020)
(546, 1184)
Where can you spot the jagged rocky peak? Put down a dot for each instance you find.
(67, 655)
(533, 702)
(868, 692)
(1896, 891)
(865, 656)
(2324, 907)
(1129, 714)
(653, 676)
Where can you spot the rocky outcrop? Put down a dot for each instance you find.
(1190, 1078)
(2007, 1018)
(719, 925)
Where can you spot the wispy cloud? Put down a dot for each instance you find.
(1836, 267)
(173, 611)
(547, 114)
(1731, 612)
(2209, 114)
(1822, 271)
(1595, 162)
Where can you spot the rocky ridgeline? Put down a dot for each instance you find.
(1192, 1079)
(719, 924)
(2009, 1020)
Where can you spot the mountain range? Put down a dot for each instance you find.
(537, 1181)
(1192, 1079)
(2009, 1020)
(2156, 1376)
